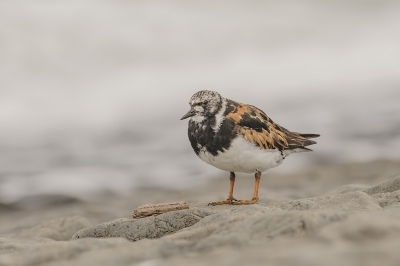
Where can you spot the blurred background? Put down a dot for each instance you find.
(91, 92)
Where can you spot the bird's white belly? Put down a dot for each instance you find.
(243, 156)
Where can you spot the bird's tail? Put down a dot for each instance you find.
(309, 136)
(308, 142)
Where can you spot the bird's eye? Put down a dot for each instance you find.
(205, 102)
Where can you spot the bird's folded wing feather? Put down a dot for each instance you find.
(255, 126)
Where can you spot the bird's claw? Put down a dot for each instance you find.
(246, 202)
(228, 201)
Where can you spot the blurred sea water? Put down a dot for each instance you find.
(92, 91)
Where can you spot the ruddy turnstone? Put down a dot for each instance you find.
(238, 137)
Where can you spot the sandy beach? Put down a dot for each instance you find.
(343, 213)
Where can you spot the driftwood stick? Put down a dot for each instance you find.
(155, 209)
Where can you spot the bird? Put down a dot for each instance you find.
(238, 137)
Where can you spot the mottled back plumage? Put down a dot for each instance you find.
(255, 126)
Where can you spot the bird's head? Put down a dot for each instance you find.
(204, 104)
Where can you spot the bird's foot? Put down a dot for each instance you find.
(246, 202)
(229, 201)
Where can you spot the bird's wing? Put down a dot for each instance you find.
(255, 126)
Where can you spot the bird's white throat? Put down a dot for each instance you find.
(197, 118)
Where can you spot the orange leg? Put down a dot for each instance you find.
(255, 194)
(230, 199)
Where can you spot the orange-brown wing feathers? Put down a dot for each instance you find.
(255, 126)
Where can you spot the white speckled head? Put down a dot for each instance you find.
(203, 104)
(206, 102)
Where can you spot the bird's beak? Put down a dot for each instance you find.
(191, 113)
